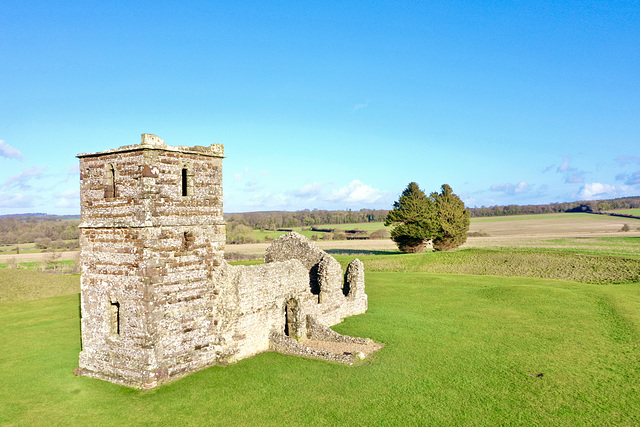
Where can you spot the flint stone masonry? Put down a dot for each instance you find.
(158, 299)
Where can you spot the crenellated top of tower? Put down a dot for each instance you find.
(154, 142)
(151, 184)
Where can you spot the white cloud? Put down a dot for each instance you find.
(519, 188)
(315, 195)
(8, 151)
(597, 190)
(356, 192)
(312, 190)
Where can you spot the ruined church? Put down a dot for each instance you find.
(158, 299)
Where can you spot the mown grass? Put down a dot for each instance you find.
(616, 246)
(30, 284)
(460, 350)
(515, 263)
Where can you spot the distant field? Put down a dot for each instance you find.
(635, 212)
(260, 235)
(558, 224)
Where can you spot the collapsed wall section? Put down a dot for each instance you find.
(337, 295)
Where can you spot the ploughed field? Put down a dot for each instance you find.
(485, 335)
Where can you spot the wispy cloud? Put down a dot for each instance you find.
(575, 178)
(565, 165)
(9, 152)
(21, 180)
(633, 179)
(15, 200)
(68, 199)
(511, 189)
(571, 174)
(360, 106)
(625, 160)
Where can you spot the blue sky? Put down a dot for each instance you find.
(328, 105)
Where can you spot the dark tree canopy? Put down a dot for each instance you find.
(452, 220)
(440, 217)
(413, 218)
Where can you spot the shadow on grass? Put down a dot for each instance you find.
(359, 252)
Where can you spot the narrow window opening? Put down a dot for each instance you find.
(113, 180)
(185, 191)
(110, 187)
(286, 321)
(346, 287)
(115, 318)
(291, 315)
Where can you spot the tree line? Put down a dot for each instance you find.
(305, 218)
(42, 229)
(30, 228)
(580, 206)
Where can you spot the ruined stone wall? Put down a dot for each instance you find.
(262, 294)
(158, 300)
(337, 295)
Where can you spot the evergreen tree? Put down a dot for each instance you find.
(441, 218)
(452, 220)
(414, 219)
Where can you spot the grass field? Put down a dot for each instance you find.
(466, 342)
(635, 212)
(460, 350)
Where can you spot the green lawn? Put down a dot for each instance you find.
(460, 350)
(30, 284)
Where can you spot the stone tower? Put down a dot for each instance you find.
(158, 299)
(152, 232)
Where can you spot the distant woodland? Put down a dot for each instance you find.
(62, 231)
(582, 206)
(44, 230)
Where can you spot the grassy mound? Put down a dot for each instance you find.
(461, 350)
